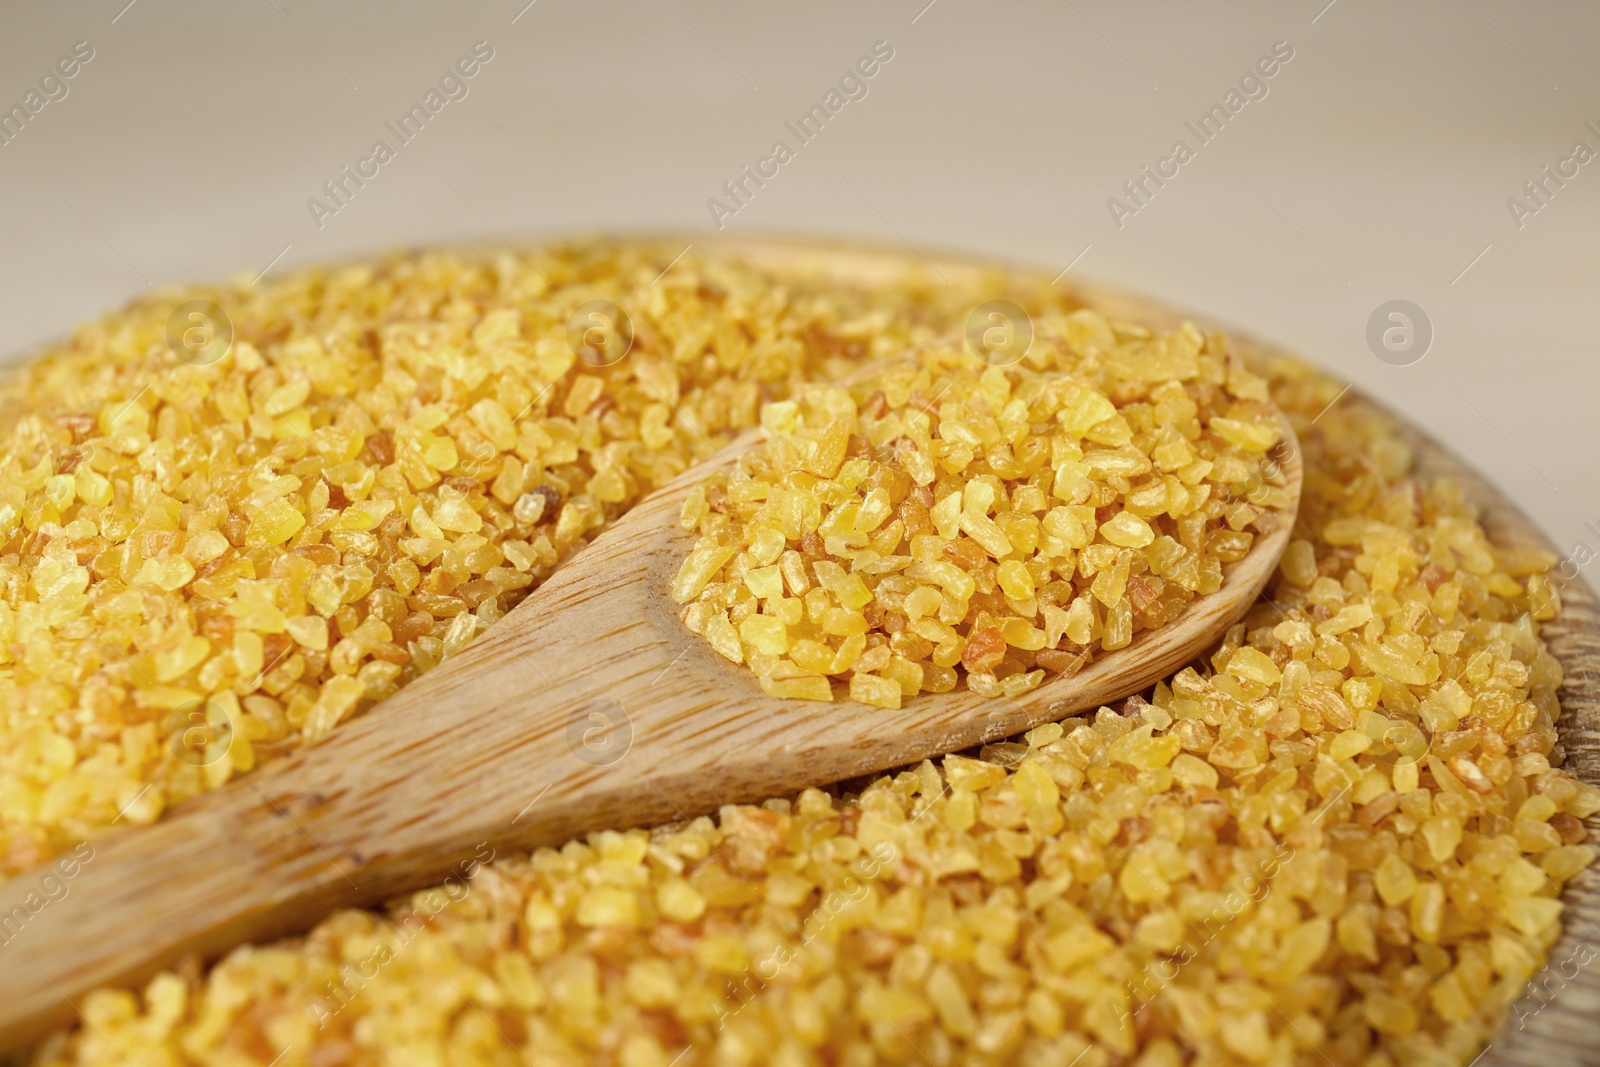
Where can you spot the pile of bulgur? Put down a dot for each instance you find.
(1010, 520)
(1341, 841)
(390, 456)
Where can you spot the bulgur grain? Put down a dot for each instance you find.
(391, 455)
(1342, 841)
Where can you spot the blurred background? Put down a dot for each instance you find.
(1387, 157)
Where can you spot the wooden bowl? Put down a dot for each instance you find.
(1555, 1023)
(1552, 1025)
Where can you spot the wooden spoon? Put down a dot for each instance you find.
(588, 706)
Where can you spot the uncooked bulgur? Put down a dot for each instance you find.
(1342, 841)
(245, 554)
(1009, 520)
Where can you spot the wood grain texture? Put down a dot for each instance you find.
(479, 751)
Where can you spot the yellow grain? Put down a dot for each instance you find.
(1195, 879)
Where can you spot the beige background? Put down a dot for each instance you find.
(1377, 167)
